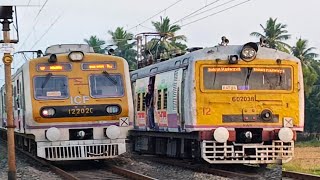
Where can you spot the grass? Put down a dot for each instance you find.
(306, 159)
(311, 143)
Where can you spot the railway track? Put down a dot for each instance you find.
(99, 170)
(302, 176)
(83, 170)
(229, 171)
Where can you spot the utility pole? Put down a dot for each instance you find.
(6, 15)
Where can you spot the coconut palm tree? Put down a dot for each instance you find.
(120, 38)
(274, 33)
(96, 44)
(310, 66)
(301, 51)
(168, 41)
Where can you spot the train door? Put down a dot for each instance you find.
(150, 99)
(168, 92)
(182, 96)
(140, 91)
(18, 113)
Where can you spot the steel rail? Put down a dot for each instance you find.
(298, 175)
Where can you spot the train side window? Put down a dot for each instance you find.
(18, 88)
(138, 101)
(15, 91)
(159, 99)
(165, 98)
(143, 101)
(20, 96)
(4, 102)
(14, 97)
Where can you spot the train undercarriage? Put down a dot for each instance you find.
(190, 146)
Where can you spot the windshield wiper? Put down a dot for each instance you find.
(214, 79)
(280, 79)
(110, 78)
(248, 77)
(48, 76)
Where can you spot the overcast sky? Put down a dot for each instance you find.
(73, 20)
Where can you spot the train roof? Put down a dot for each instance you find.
(217, 52)
(66, 48)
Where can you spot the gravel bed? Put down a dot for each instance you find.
(166, 172)
(26, 168)
(30, 170)
(160, 171)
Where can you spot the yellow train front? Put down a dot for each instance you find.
(226, 104)
(72, 104)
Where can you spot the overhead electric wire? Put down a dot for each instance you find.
(195, 11)
(211, 8)
(52, 24)
(44, 4)
(215, 13)
(25, 40)
(155, 15)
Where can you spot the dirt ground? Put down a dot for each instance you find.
(306, 159)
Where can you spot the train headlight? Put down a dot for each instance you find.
(81, 134)
(266, 115)
(52, 58)
(48, 112)
(233, 59)
(76, 56)
(285, 134)
(221, 134)
(113, 109)
(53, 134)
(113, 132)
(249, 52)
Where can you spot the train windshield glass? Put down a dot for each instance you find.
(106, 85)
(247, 78)
(51, 87)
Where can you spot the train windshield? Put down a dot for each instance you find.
(247, 78)
(51, 87)
(106, 85)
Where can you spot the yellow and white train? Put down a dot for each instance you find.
(225, 104)
(71, 104)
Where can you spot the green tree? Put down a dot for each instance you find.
(169, 42)
(301, 51)
(274, 33)
(120, 38)
(310, 67)
(311, 73)
(96, 44)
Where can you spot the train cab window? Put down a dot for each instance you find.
(247, 78)
(51, 87)
(106, 85)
